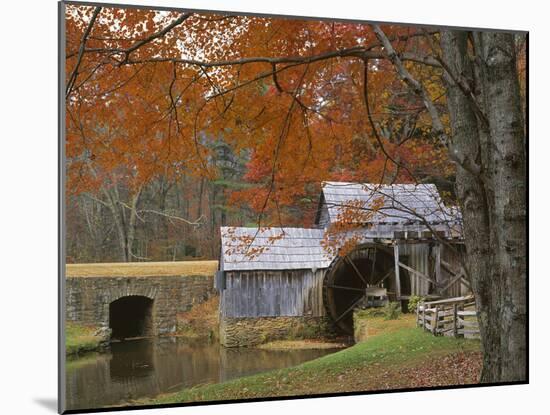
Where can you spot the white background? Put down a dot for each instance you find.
(28, 207)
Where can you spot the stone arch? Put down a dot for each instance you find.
(129, 288)
(129, 308)
(131, 316)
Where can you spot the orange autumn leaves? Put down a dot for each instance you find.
(134, 116)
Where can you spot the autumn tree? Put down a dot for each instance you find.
(156, 92)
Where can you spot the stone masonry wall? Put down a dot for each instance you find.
(88, 298)
(251, 331)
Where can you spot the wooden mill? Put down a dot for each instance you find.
(405, 242)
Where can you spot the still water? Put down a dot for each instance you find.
(146, 368)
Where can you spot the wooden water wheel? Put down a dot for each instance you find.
(349, 279)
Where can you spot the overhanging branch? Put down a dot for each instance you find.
(419, 89)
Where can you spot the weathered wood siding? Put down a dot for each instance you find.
(417, 258)
(273, 293)
(421, 259)
(453, 258)
(324, 219)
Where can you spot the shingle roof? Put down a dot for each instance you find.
(404, 205)
(398, 203)
(272, 249)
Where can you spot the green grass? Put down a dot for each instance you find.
(376, 363)
(80, 339)
(75, 362)
(312, 344)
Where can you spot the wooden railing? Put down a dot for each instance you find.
(449, 317)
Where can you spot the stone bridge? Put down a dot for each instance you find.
(134, 305)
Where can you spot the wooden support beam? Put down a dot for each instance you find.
(447, 267)
(397, 280)
(341, 287)
(455, 275)
(453, 281)
(465, 282)
(350, 308)
(420, 274)
(349, 261)
(386, 275)
(438, 263)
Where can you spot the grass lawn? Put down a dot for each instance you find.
(80, 339)
(395, 355)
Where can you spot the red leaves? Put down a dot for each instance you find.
(456, 369)
(302, 125)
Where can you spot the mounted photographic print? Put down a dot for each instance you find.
(258, 207)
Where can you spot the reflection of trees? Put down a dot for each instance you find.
(146, 368)
(131, 359)
(237, 362)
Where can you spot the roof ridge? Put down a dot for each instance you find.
(343, 183)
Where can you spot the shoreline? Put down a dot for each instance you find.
(399, 357)
(305, 344)
(81, 339)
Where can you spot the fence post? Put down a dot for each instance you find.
(435, 321)
(424, 316)
(417, 313)
(464, 318)
(455, 320)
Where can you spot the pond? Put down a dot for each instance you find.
(148, 367)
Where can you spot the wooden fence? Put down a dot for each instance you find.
(450, 317)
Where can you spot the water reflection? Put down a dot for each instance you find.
(131, 360)
(146, 368)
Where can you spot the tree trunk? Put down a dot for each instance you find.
(131, 231)
(493, 197)
(125, 226)
(118, 218)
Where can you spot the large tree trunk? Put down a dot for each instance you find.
(492, 196)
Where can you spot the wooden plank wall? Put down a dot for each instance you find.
(324, 219)
(273, 293)
(418, 258)
(452, 257)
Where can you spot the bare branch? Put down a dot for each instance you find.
(375, 131)
(154, 36)
(419, 89)
(412, 83)
(95, 199)
(197, 222)
(459, 80)
(74, 74)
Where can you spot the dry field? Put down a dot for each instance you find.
(142, 269)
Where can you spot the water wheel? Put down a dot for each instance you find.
(347, 281)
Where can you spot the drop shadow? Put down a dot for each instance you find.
(48, 403)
